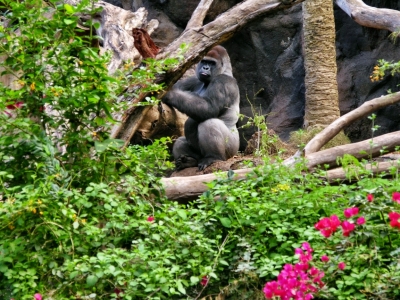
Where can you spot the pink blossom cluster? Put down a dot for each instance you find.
(327, 226)
(37, 296)
(396, 197)
(394, 219)
(299, 281)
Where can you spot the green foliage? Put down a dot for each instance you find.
(371, 251)
(80, 218)
(266, 142)
(383, 68)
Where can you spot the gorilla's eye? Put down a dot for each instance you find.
(208, 62)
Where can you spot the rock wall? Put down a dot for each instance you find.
(268, 63)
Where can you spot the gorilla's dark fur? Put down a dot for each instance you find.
(211, 101)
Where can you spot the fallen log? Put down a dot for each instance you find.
(365, 149)
(335, 127)
(190, 187)
(183, 189)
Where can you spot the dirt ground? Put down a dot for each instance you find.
(246, 160)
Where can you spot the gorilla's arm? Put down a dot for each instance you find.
(220, 94)
(190, 84)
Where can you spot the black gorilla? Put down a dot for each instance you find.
(211, 101)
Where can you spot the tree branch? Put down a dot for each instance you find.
(333, 129)
(364, 149)
(183, 189)
(199, 14)
(369, 16)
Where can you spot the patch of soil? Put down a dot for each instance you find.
(248, 160)
(234, 163)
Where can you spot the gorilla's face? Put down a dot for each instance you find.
(207, 69)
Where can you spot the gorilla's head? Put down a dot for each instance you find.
(214, 63)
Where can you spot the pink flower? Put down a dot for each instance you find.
(361, 221)
(37, 296)
(150, 219)
(370, 197)
(299, 281)
(347, 228)
(341, 266)
(351, 211)
(396, 197)
(327, 226)
(394, 219)
(204, 281)
(324, 258)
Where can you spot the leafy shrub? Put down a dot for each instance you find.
(80, 218)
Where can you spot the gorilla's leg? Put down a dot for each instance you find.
(216, 142)
(184, 155)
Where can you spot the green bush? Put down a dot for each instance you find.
(82, 219)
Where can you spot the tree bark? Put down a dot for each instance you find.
(199, 14)
(322, 98)
(368, 16)
(184, 189)
(334, 128)
(364, 149)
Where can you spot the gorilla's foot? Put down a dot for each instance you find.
(205, 162)
(184, 161)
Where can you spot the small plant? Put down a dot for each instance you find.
(383, 68)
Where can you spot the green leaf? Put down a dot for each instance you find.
(223, 262)
(76, 225)
(91, 280)
(181, 289)
(182, 214)
(73, 274)
(68, 21)
(225, 222)
(69, 8)
(194, 280)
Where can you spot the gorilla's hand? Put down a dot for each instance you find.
(185, 161)
(169, 97)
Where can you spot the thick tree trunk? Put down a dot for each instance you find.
(322, 100)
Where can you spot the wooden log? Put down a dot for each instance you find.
(183, 189)
(189, 188)
(369, 16)
(364, 149)
(335, 127)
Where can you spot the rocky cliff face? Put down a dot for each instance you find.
(268, 63)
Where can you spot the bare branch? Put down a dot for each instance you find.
(364, 149)
(199, 14)
(369, 16)
(333, 129)
(188, 188)
(375, 168)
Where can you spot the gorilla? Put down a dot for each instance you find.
(211, 101)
